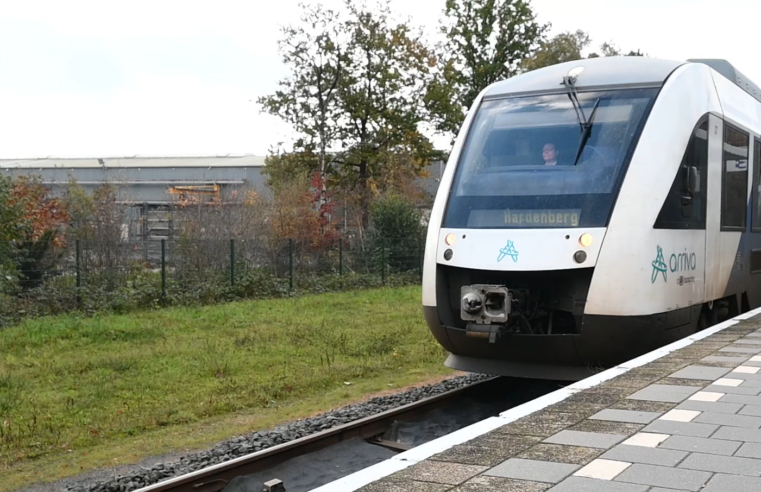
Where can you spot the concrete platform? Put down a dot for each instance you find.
(686, 417)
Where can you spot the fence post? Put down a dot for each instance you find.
(163, 268)
(340, 256)
(232, 261)
(383, 261)
(290, 264)
(79, 263)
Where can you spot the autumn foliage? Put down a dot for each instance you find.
(40, 216)
(302, 212)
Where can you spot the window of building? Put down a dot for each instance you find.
(685, 205)
(735, 179)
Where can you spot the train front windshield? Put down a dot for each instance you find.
(519, 166)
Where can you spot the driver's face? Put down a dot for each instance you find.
(548, 152)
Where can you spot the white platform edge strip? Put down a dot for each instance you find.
(406, 459)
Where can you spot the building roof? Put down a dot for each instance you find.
(134, 162)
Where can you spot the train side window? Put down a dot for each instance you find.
(734, 191)
(756, 211)
(685, 205)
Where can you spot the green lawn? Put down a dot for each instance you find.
(78, 393)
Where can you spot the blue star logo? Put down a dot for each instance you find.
(508, 250)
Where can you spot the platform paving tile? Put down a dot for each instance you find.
(404, 486)
(581, 484)
(606, 396)
(733, 483)
(643, 406)
(752, 410)
(745, 421)
(487, 450)
(661, 476)
(577, 408)
(541, 425)
(585, 439)
(736, 390)
(660, 489)
(726, 464)
(737, 360)
(533, 470)
(484, 483)
(706, 406)
(574, 455)
(751, 383)
(749, 341)
(681, 428)
(740, 350)
(663, 392)
(626, 416)
(700, 372)
(737, 434)
(749, 450)
(684, 382)
(607, 427)
(439, 472)
(744, 399)
(645, 455)
(701, 445)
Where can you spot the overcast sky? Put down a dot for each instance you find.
(161, 77)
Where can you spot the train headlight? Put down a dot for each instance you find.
(586, 240)
(448, 254)
(449, 239)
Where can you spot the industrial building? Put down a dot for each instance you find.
(151, 186)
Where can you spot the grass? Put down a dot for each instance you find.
(78, 393)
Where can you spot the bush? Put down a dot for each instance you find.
(396, 234)
(141, 290)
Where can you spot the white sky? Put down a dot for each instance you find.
(161, 77)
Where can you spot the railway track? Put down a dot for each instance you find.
(215, 478)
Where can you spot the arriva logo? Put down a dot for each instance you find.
(508, 250)
(682, 262)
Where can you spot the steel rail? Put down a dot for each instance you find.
(216, 477)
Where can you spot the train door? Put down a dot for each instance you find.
(714, 287)
(727, 240)
(754, 263)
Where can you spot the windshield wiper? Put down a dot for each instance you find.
(570, 83)
(587, 130)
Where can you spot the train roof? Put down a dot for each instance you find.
(622, 71)
(734, 75)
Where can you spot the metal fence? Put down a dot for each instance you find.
(110, 265)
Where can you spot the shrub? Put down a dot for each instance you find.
(396, 234)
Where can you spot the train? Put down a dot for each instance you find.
(593, 211)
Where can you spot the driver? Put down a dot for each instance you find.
(550, 154)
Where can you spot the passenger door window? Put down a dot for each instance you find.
(756, 211)
(734, 179)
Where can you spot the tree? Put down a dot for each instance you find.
(609, 49)
(40, 223)
(564, 47)
(354, 98)
(486, 41)
(381, 98)
(315, 52)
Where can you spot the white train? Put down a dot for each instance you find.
(595, 210)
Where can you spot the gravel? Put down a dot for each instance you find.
(239, 446)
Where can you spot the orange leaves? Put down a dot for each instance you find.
(40, 213)
(301, 213)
